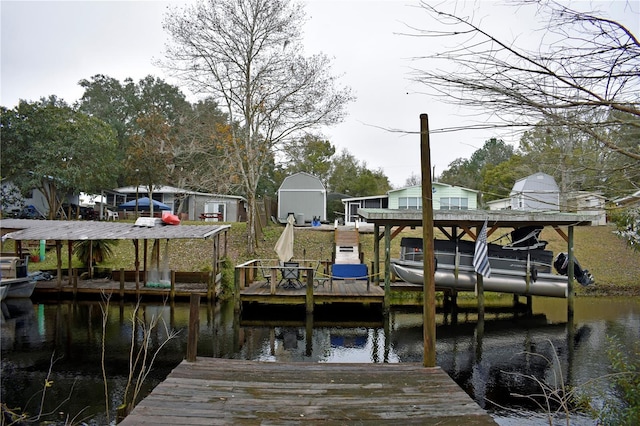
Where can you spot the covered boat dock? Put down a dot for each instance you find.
(455, 224)
(58, 231)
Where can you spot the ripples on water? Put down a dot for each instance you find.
(491, 361)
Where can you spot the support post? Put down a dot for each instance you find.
(480, 296)
(211, 287)
(69, 258)
(74, 281)
(309, 299)
(122, 282)
(194, 327)
(172, 291)
(570, 276)
(429, 290)
(376, 253)
(387, 268)
(236, 287)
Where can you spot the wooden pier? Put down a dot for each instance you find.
(213, 391)
(93, 288)
(310, 287)
(340, 291)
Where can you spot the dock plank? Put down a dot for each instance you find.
(224, 391)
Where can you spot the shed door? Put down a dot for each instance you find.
(216, 211)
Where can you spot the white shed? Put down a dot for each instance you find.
(538, 191)
(305, 196)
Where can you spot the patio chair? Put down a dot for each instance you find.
(320, 276)
(266, 273)
(111, 215)
(290, 275)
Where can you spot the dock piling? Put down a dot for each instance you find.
(194, 326)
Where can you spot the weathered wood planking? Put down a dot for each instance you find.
(223, 391)
(340, 292)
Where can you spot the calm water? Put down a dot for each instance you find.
(491, 360)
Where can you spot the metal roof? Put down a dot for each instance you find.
(31, 229)
(499, 218)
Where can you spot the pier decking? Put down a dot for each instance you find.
(340, 291)
(215, 391)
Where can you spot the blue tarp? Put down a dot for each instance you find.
(143, 204)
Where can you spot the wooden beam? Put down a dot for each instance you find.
(397, 231)
(468, 231)
(561, 233)
(449, 236)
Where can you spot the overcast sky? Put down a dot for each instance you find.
(48, 46)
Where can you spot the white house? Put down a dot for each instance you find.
(538, 191)
(445, 197)
(588, 203)
(35, 200)
(499, 204)
(351, 206)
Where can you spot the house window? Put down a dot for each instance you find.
(454, 203)
(409, 203)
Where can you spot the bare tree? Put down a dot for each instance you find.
(584, 74)
(247, 56)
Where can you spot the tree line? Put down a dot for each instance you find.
(146, 133)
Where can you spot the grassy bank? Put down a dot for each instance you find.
(615, 267)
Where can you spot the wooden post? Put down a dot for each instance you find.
(308, 335)
(74, 280)
(570, 276)
(309, 298)
(429, 288)
(273, 281)
(59, 263)
(194, 327)
(236, 293)
(172, 292)
(90, 259)
(376, 253)
(211, 287)
(387, 268)
(136, 245)
(480, 296)
(242, 277)
(122, 282)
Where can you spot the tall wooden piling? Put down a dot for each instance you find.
(194, 327)
(429, 290)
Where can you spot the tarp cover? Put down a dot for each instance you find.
(144, 204)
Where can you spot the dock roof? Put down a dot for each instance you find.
(471, 218)
(31, 229)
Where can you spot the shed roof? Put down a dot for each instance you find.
(165, 189)
(302, 180)
(537, 182)
(28, 229)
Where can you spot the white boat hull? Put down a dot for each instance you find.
(503, 281)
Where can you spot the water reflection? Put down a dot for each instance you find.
(492, 359)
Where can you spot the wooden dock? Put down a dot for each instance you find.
(340, 291)
(213, 391)
(93, 288)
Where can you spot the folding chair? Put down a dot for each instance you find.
(290, 275)
(320, 276)
(266, 273)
